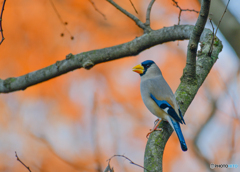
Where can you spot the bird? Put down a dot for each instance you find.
(159, 98)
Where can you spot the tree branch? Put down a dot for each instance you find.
(210, 51)
(181, 10)
(147, 23)
(131, 162)
(61, 20)
(89, 59)
(94, 6)
(134, 18)
(18, 159)
(1, 29)
(229, 27)
(133, 7)
(189, 73)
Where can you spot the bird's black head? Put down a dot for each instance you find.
(143, 67)
(146, 64)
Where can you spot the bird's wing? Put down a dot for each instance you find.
(166, 107)
(180, 113)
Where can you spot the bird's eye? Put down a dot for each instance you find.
(147, 65)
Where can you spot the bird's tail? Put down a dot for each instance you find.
(178, 130)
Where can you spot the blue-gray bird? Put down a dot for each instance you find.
(159, 98)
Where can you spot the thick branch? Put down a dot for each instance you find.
(184, 95)
(189, 73)
(91, 58)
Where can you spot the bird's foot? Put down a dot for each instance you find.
(155, 128)
(156, 121)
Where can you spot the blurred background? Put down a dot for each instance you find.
(77, 121)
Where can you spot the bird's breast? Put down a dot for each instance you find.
(150, 103)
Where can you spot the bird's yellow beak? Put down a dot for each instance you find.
(139, 69)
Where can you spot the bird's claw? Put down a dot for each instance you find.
(156, 121)
(157, 129)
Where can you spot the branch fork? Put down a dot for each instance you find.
(144, 26)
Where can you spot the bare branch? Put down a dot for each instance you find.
(230, 27)
(108, 168)
(221, 18)
(131, 162)
(22, 162)
(147, 23)
(134, 18)
(97, 9)
(1, 28)
(61, 20)
(89, 59)
(210, 51)
(133, 6)
(190, 69)
(181, 10)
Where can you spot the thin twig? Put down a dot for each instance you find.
(94, 6)
(181, 10)
(22, 162)
(134, 18)
(211, 47)
(131, 162)
(1, 29)
(148, 13)
(221, 18)
(108, 168)
(133, 6)
(211, 24)
(61, 20)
